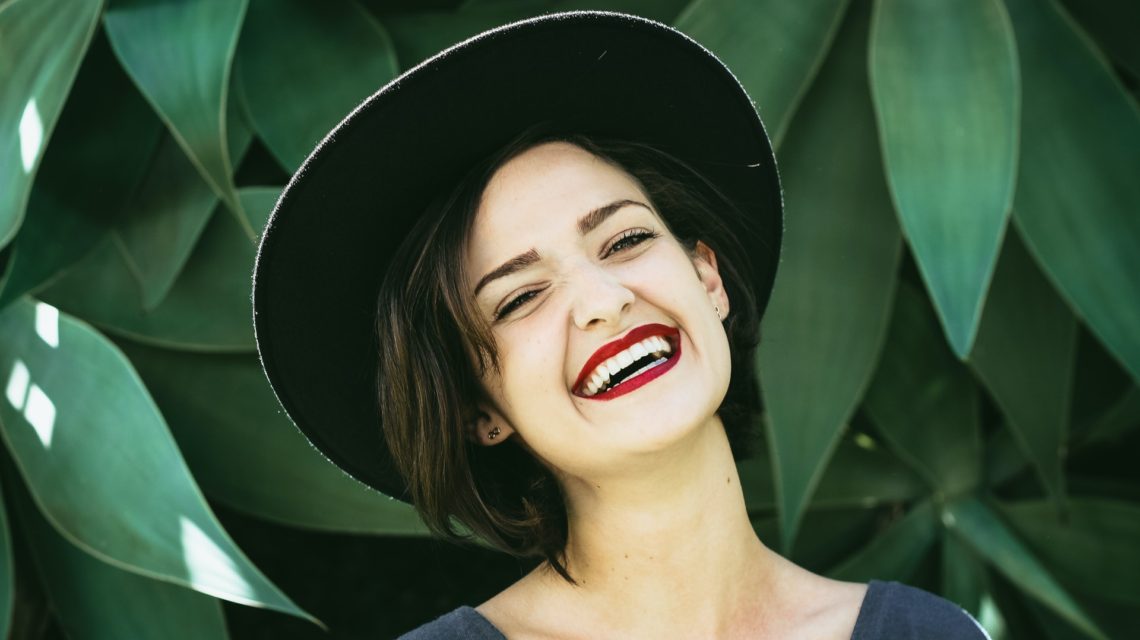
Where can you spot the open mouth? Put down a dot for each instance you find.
(626, 364)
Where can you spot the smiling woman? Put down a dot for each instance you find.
(536, 319)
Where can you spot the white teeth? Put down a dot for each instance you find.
(654, 345)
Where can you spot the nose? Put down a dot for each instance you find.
(600, 298)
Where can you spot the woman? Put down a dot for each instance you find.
(521, 287)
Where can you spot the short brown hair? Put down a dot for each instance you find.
(435, 346)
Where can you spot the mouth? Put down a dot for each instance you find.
(621, 366)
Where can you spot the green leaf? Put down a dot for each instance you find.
(923, 400)
(7, 573)
(989, 537)
(1113, 24)
(1122, 417)
(179, 55)
(105, 137)
(102, 467)
(945, 83)
(93, 599)
(841, 251)
(774, 47)
(860, 474)
(895, 553)
(1077, 194)
(286, 51)
(246, 453)
(963, 578)
(208, 308)
(48, 38)
(163, 222)
(1024, 355)
(1093, 548)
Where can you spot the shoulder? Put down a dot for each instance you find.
(897, 611)
(463, 622)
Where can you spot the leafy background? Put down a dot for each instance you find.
(950, 365)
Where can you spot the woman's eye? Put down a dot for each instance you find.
(628, 239)
(515, 303)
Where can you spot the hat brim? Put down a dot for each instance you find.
(328, 241)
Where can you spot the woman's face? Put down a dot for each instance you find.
(609, 345)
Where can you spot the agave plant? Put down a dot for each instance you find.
(950, 362)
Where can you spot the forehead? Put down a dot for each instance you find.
(544, 189)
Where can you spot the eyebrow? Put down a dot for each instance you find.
(586, 224)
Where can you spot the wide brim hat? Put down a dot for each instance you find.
(342, 216)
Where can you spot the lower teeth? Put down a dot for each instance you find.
(636, 373)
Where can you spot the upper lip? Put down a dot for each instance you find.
(611, 349)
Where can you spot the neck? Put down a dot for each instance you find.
(670, 548)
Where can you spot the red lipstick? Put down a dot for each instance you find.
(610, 349)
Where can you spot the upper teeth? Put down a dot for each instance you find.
(600, 377)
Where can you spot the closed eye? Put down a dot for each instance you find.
(516, 302)
(628, 239)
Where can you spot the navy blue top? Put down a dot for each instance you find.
(890, 611)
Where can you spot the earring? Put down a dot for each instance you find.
(494, 433)
(717, 309)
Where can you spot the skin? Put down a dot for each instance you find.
(660, 542)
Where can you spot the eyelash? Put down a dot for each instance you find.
(634, 236)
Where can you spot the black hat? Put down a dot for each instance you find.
(346, 210)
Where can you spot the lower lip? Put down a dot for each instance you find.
(636, 383)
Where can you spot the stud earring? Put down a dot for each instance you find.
(717, 309)
(494, 433)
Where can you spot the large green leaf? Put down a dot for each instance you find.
(163, 222)
(945, 84)
(1077, 193)
(286, 51)
(1093, 548)
(246, 453)
(179, 54)
(101, 465)
(895, 553)
(774, 47)
(7, 572)
(48, 38)
(1025, 354)
(98, 153)
(860, 474)
(841, 251)
(208, 308)
(924, 401)
(963, 577)
(989, 537)
(93, 599)
(1113, 24)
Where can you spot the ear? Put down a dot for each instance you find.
(488, 428)
(704, 260)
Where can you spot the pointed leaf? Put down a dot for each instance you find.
(1077, 194)
(944, 80)
(1024, 354)
(774, 47)
(98, 153)
(841, 251)
(1092, 548)
(990, 538)
(7, 572)
(179, 54)
(208, 309)
(101, 465)
(895, 553)
(286, 51)
(1113, 25)
(49, 39)
(163, 222)
(1122, 417)
(93, 599)
(923, 400)
(246, 453)
(963, 578)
